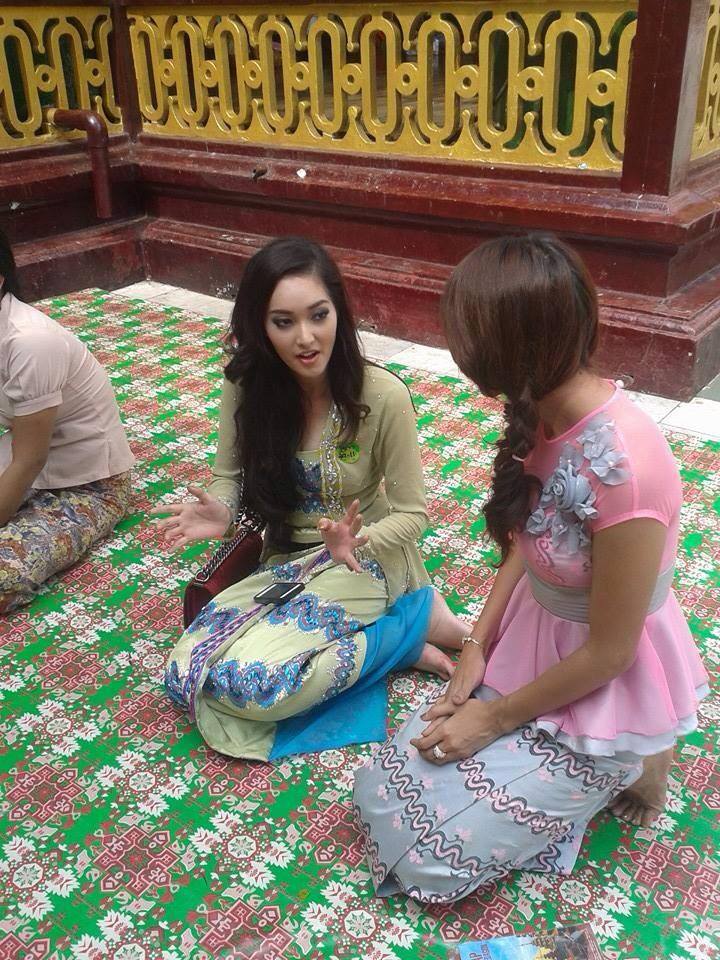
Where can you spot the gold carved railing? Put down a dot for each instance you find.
(707, 125)
(52, 57)
(521, 83)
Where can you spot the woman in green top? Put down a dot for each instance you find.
(309, 431)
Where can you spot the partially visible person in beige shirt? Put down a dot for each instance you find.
(45, 367)
(64, 458)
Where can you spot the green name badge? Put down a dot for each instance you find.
(348, 452)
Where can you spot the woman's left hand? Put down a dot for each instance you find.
(459, 732)
(341, 536)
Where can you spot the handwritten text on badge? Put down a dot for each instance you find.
(348, 452)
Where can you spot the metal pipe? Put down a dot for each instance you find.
(97, 141)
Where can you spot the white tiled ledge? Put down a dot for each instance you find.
(177, 297)
(700, 417)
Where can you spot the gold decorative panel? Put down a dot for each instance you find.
(527, 83)
(707, 125)
(52, 57)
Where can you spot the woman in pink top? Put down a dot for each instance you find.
(581, 671)
(65, 461)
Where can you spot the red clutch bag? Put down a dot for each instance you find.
(236, 559)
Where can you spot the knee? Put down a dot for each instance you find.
(116, 504)
(15, 589)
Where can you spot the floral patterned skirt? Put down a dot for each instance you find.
(437, 833)
(54, 529)
(262, 682)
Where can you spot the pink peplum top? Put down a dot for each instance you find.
(612, 466)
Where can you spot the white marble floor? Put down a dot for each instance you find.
(701, 416)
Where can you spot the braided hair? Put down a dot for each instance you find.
(521, 318)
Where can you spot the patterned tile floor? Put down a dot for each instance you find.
(122, 837)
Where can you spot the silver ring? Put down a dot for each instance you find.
(438, 753)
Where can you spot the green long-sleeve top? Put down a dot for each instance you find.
(330, 478)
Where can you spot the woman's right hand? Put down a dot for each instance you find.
(468, 675)
(204, 518)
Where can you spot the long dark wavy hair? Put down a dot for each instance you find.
(521, 317)
(8, 270)
(270, 418)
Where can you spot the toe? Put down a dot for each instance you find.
(649, 816)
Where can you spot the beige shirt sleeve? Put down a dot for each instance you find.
(398, 456)
(226, 483)
(37, 371)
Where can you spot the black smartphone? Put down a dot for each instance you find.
(279, 592)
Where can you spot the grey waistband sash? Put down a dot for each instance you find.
(573, 603)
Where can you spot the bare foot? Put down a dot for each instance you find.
(433, 660)
(645, 799)
(446, 630)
